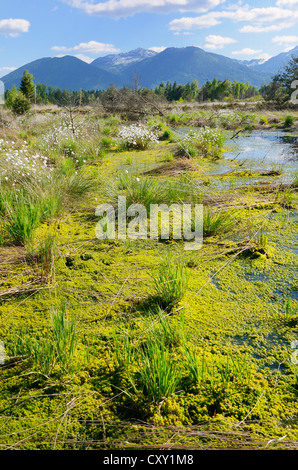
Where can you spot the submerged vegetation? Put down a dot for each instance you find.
(139, 343)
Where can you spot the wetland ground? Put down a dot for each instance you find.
(139, 344)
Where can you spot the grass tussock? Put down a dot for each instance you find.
(54, 353)
(170, 282)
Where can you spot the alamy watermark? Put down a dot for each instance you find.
(163, 222)
(294, 95)
(294, 355)
(2, 93)
(2, 353)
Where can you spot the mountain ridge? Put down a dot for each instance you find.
(180, 65)
(116, 62)
(274, 64)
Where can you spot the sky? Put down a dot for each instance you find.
(32, 29)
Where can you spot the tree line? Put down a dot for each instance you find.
(20, 99)
(114, 99)
(210, 91)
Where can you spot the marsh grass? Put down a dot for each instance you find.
(262, 240)
(43, 256)
(170, 282)
(52, 205)
(56, 349)
(26, 203)
(147, 191)
(124, 348)
(64, 332)
(217, 222)
(6, 199)
(203, 372)
(289, 121)
(158, 376)
(289, 315)
(168, 134)
(23, 218)
(164, 328)
(196, 369)
(288, 198)
(234, 370)
(78, 185)
(295, 181)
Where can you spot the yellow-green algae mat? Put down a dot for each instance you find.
(230, 340)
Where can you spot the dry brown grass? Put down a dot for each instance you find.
(175, 167)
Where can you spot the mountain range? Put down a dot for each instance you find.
(151, 68)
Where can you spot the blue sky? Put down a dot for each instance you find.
(32, 29)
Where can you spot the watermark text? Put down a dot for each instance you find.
(163, 222)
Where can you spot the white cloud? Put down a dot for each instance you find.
(14, 27)
(5, 70)
(204, 21)
(91, 47)
(287, 3)
(280, 40)
(123, 8)
(157, 49)
(265, 29)
(247, 51)
(261, 17)
(183, 33)
(217, 42)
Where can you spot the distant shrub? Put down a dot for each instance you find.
(168, 134)
(289, 121)
(17, 101)
(264, 120)
(173, 118)
(107, 142)
(20, 104)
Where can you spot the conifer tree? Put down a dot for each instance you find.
(27, 86)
